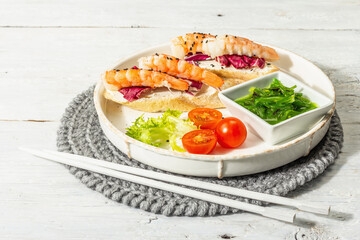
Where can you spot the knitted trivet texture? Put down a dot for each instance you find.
(80, 133)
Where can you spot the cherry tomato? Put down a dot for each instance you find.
(206, 118)
(231, 132)
(199, 141)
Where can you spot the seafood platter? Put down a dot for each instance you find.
(214, 106)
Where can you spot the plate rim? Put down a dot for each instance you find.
(202, 157)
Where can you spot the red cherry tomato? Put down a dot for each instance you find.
(206, 118)
(199, 141)
(231, 132)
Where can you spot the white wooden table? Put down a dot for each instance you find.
(52, 50)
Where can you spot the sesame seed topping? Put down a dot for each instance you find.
(268, 64)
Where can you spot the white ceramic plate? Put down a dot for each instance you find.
(252, 157)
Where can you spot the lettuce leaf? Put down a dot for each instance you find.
(165, 131)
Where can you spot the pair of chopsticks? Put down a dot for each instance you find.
(162, 180)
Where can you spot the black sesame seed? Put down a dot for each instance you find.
(125, 68)
(190, 48)
(197, 37)
(185, 42)
(226, 35)
(177, 59)
(268, 64)
(117, 70)
(206, 41)
(156, 54)
(251, 70)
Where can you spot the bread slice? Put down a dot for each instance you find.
(240, 75)
(161, 99)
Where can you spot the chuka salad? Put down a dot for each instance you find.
(276, 102)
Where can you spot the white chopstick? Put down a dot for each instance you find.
(304, 206)
(279, 214)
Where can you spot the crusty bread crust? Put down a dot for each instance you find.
(178, 101)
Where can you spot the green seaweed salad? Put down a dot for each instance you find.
(276, 102)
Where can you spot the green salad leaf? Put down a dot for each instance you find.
(276, 102)
(165, 131)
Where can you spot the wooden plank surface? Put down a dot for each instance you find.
(335, 14)
(52, 50)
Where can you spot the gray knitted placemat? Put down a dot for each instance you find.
(80, 133)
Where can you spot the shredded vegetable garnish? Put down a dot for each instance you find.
(276, 103)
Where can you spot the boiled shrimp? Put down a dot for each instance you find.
(215, 46)
(118, 79)
(180, 68)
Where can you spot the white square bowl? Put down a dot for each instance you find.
(279, 132)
